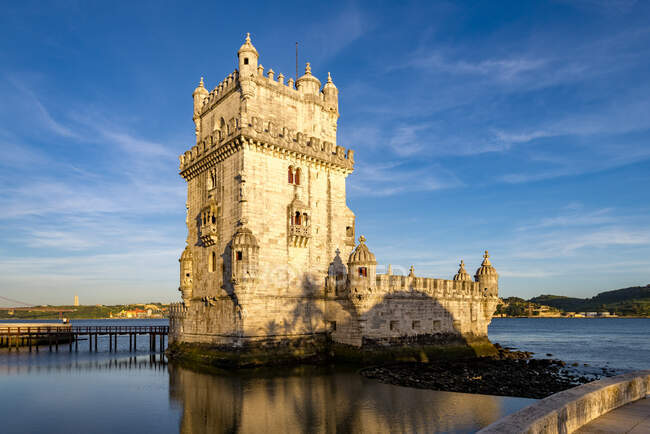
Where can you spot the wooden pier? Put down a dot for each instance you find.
(54, 335)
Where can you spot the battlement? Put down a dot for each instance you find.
(224, 88)
(437, 288)
(267, 135)
(177, 310)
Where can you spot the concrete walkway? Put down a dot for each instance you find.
(632, 418)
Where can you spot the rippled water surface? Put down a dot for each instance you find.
(140, 392)
(622, 344)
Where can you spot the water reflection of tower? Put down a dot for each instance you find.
(319, 400)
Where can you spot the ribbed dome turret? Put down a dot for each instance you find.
(329, 86)
(200, 89)
(244, 238)
(362, 255)
(247, 47)
(186, 255)
(308, 84)
(462, 273)
(486, 268)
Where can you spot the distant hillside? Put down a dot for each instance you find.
(626, 301)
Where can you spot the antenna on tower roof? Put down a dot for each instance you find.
(296, 61)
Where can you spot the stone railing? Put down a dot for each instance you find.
(433, 287)
(209, 233)
(177, 310)
(300, 231)
(567, 411)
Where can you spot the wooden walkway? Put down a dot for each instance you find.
(632, 418)
(15, 336)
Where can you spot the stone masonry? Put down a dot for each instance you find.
(271, 254)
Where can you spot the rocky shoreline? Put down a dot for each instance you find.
(510, 373)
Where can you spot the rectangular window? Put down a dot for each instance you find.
(415, 325)
(240, 256)
(332, 325)
(436, 325)
(363, 272)
(394, 325)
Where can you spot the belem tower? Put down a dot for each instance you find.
(271, 269)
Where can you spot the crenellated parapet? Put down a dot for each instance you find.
(177, 310)
(426, 286)
(222, 90)
(269, 136)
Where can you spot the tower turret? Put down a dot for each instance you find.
(186, 275)
(331, 94)
(245, 259)
(487, 276)
(462, 273)
(247, 58)
(198, 95)
(362, 270)
(308, 84)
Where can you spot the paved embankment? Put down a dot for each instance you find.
(567, 411)
(632, 418)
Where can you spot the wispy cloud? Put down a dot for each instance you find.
(393, 178)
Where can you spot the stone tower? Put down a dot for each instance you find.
(265, 185)
(270, 270)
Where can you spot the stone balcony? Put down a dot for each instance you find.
(299, 235)
(209, 234)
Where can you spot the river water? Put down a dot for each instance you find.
(618, 344)
(140, 392)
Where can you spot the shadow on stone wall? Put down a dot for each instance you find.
(409, 326)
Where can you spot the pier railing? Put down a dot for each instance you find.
(15, 336)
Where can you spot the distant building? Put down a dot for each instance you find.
(76, 300)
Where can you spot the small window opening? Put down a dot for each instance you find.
(394, 325)
(436, 325)
(240, 256)
(213, 262)
(333, 325)
(296, 218)
(187, 274)
(363, 271)
(297, 179)
(415, 325)
(290, 175)
(245, 60)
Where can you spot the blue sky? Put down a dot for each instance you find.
(518, 127)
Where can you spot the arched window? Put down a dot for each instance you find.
(245, 60)
(304, 219)
(297, 178)
(363, 271)
(222, 128)
(296, 219)
(290, 175)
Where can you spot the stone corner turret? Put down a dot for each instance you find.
(487, 276)
(462, 274)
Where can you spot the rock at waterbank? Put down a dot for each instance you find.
(511, 373)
